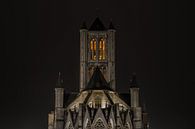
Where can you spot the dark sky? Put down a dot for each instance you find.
(42, 38)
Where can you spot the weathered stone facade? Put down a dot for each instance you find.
(97, 105)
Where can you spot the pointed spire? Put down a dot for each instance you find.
(60, 80)
(133, 82)
(111, 26)
(83, 26)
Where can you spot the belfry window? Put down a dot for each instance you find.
(102, 50)
(93, 45)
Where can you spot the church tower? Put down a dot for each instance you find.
(97, 105)
(97, 48)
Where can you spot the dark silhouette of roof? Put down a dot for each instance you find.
(97, 25)
(97, 81)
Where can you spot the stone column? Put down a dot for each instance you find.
(111, 57)
(135, 106)
(59, 108)
(83, 58)
(51, 120)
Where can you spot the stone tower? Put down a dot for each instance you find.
(97, 105)
(135, 104)
(97, 48)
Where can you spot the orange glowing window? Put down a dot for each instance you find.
(93, 45)
(102, 50)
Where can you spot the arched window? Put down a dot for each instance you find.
(93, 45)
(102, 49)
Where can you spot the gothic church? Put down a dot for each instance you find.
(97, 105)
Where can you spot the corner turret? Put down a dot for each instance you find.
(135, 103)
(59, 104)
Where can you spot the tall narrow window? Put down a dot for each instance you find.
(94, 48)
(97, 101)
(102, 50)
(93, 45)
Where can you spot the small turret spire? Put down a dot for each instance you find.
(83, 26)
(111, 26)
(133, 82)
(60, 80)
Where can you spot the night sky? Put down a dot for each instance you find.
(42, 38)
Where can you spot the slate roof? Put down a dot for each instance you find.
(97, 25)
(97, 82)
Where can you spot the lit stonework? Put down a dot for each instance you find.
(98, 105)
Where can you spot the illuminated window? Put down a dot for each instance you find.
(102, 49)
(93, 45)
(97, 101)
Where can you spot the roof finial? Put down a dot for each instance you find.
(97, 12)
(60, 80)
